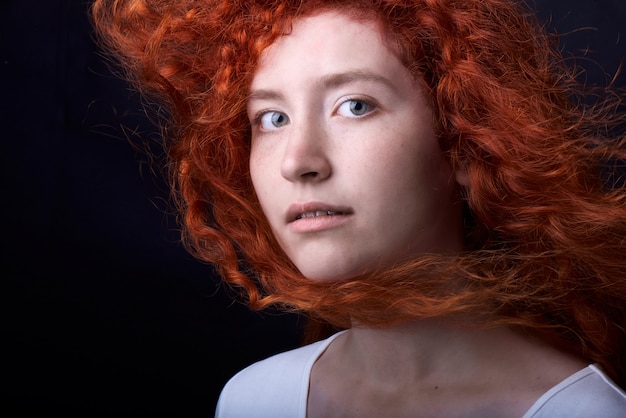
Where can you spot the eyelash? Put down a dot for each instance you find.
(258, 117)
(371, 107)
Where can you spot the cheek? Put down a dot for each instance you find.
(263, 181)
(257, 174)
(415, 171)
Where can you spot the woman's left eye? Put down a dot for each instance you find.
(355, 108)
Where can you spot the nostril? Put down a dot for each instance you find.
(305, 164)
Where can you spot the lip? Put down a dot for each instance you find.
(316, 216)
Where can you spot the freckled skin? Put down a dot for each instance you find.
(338, 119)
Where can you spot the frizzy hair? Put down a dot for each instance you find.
(546, 209)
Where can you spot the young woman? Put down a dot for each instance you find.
(423, 177)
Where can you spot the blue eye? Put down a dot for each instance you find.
(352, 108)
(272, 120)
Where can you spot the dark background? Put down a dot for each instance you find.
(103, 312)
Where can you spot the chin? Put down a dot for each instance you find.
(325, 278)
(334, 276)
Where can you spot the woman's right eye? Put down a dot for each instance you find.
(271, 120)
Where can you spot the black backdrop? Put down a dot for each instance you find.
(103, 312)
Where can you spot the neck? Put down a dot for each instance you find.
(435, 365)
(424, 351)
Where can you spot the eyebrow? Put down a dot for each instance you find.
(340, 79)
(330, 81)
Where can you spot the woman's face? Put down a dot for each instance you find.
(344, 157)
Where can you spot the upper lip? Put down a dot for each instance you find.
(296, 210)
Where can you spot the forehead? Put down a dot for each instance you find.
(326, 42)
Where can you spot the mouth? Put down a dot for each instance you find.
(309, 210)
(318, 213)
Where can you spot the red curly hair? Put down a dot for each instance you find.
(545, 205)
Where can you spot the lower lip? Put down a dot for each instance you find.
(318, 223)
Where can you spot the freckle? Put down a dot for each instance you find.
(436, 387)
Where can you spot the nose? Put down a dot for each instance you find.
(306, 155)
